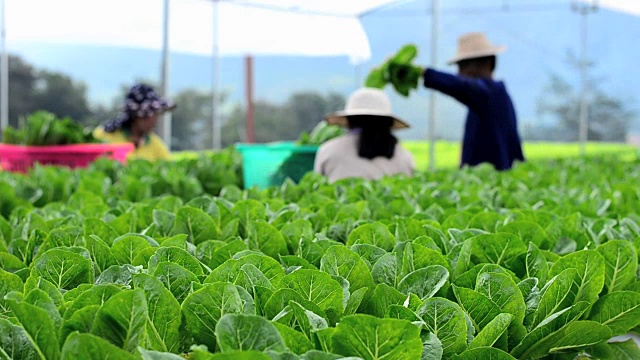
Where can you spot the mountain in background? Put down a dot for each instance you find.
(539, 34)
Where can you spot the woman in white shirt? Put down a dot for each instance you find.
(369, 150)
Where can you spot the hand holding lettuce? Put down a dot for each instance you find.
(399, 71)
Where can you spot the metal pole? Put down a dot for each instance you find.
(584, 10)
(165, 128)
(251, 135)
(432, 100)
(215, 81)
(584, 105)
(4, 70)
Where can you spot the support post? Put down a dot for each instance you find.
(251, 136)
(164, 127)
(4, 69)
(431, 129)
(584, 9)
(215, 83)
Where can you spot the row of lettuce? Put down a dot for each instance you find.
(148, 262)
(187, 178)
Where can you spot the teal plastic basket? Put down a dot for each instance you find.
(265, 165)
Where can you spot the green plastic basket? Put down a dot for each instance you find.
(265, 165)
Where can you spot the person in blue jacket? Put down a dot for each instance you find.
(491, 129)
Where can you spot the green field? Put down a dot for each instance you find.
(448, 152)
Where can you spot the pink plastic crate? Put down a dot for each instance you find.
(21, 158)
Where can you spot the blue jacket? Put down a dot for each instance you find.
(491, 129)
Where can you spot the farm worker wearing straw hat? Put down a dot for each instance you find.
(491, 130)
(142, 109)
(369, 150)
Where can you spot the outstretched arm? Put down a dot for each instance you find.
(468, 91)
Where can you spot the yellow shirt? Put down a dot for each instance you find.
(153, 149)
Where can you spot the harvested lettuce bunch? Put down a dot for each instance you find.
(398, 71)
(322, 133)
(45, 129)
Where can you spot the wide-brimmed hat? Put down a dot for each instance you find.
(142, 101)
(475, 45)
(366, 101)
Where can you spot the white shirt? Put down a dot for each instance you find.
(338, 159)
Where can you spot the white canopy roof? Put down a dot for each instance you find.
(328, 7)
(256, 27)
(626, 6)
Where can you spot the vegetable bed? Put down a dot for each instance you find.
(143, 263)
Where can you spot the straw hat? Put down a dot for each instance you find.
(475, 45)
(366, 101)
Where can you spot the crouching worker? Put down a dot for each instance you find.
(369, 150)
(141, 111)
